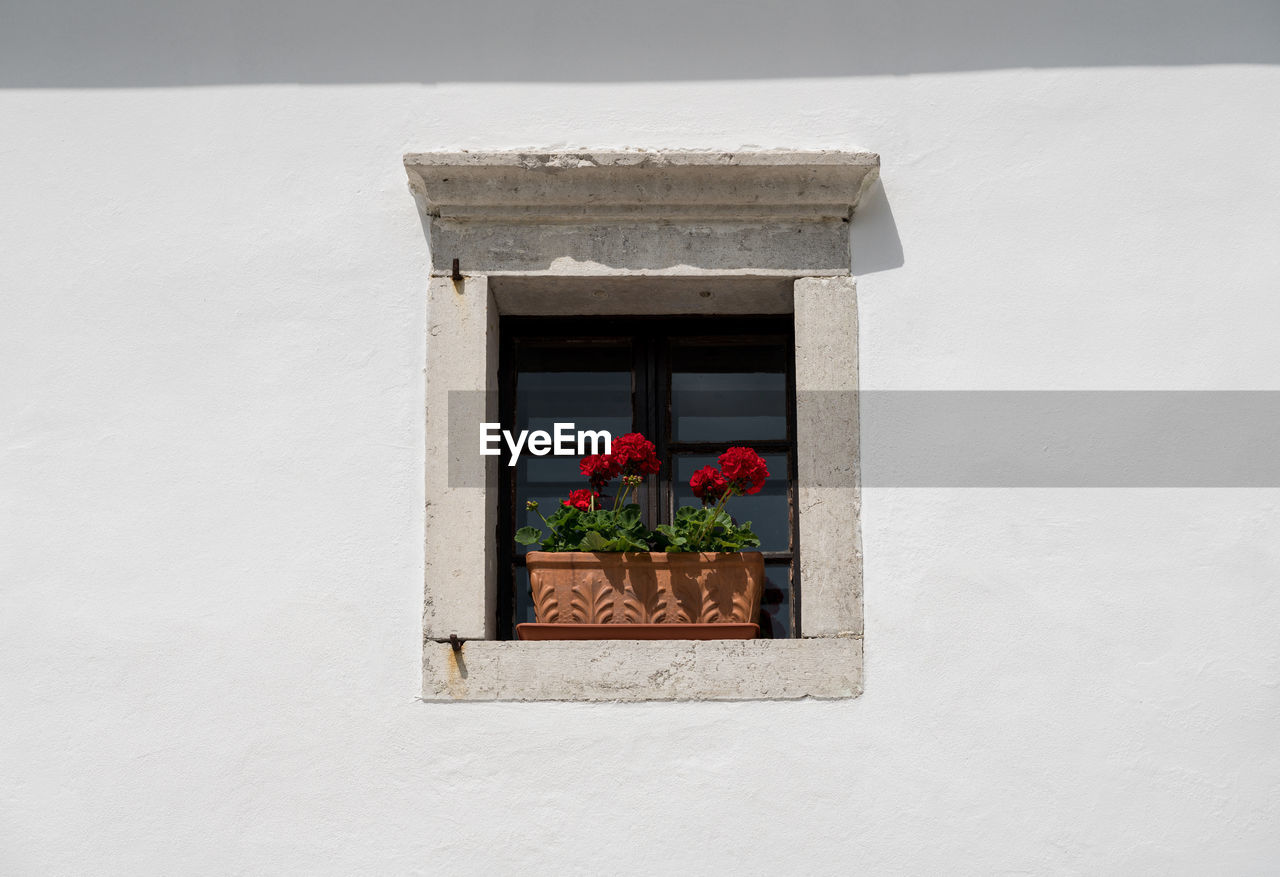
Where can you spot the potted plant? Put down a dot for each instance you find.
(599, 565)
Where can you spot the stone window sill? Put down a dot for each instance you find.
(627, 670)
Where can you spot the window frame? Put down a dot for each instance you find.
(650, 338)
(580, 232)
(463, 660)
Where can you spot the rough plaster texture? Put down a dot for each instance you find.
(212, 332)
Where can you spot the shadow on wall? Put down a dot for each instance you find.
(88, 43)
(873, 234)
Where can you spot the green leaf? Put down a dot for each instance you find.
(593, 541)
(628, 516)
(528, 535)
(566, 515)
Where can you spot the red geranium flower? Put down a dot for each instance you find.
(709, 484)
(600, 469)
(582, 500)
(745, 470)
(633, 454)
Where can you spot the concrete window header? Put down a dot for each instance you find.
(680, 213)
(629, 233)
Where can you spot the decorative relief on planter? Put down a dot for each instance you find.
(644, 588)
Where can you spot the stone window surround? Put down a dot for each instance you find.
(630, 233)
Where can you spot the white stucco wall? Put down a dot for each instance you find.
(212, 289)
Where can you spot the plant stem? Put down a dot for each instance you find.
(550, 526)
(705, 529)
(626, 488)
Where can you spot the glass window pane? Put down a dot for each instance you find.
(728, 393)
(725, 391)
(768, 511)
(524, 598)
(775, 604)
(589, 387)
(547, 480)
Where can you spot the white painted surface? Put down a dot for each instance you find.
(212, 324)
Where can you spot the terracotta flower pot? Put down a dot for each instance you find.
(645, 588)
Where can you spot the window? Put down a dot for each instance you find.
(695, 386)
(641, 258)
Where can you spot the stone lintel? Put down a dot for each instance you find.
(598, 213)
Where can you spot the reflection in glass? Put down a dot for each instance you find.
(729, 393)
(775, 605)
(524, 599)
(590, 400)
(768, 511)
(547, 480)
(590, 388)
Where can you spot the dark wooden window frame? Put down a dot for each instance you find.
(651, 411)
